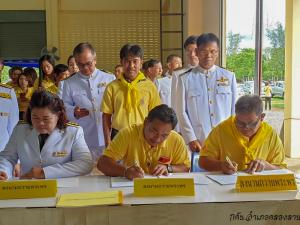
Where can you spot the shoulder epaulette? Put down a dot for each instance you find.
(189, 70)
(73, 124)
(105, 71)
(22, 122)
(6, 85)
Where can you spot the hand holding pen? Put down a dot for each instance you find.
(134, 171)
(228, 166)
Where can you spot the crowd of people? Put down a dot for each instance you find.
(140, 120)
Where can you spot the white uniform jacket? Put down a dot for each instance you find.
(9, 113)
(64, 154)
(87, 92)
(205, 98)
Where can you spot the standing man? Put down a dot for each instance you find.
(82, 96)
(129, 99)
(207, 94)
(9, 113)
(190, 47)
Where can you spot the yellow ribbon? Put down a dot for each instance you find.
(132, 93)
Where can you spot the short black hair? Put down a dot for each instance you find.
(81, 47)
(163, 113)
(42, 98)
(14, 68)
(249, 104)
(207, 38)
(150, 63)
(47, 58)
(59, 68)
(69, 58)
(131, 49)
(190, 40)
(171, 57)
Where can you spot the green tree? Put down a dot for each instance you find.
(234, 41)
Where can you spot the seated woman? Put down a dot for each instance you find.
(46, 145)
(24, 92)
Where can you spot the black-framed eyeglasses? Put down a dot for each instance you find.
(83, 65)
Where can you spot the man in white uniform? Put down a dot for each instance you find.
(82, 96)
(206, 94)
(9, 113)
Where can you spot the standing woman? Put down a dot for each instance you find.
(24, 93)
(46, 78)
(46, 145)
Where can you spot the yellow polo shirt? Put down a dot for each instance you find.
(225, 140)
(23, 105)
(48, 84)
(130, 146)
(114, 99)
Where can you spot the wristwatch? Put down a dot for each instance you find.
(170, 168)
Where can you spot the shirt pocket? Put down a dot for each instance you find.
(223, 90)
(80, 98)
(194, 105)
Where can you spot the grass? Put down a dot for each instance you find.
(278, 102)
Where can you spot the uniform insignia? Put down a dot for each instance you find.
(189, 70)
(72, 124)
(6, 86)
(223, 81)
(5, 95)
(4, 114)
(102, 84)
(22, 122)
(60, 154)
(105, 71)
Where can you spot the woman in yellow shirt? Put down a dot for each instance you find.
(46, 79)
(24, 92)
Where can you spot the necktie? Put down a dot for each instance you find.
(42, 140)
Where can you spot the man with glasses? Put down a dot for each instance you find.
(206, 94)
(243, 141)
(82, 95)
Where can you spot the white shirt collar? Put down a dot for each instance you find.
(205, 71)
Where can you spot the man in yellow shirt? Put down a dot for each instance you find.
(243, 141)
(129, 99)
(152, 147)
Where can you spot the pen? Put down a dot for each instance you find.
(230, 163)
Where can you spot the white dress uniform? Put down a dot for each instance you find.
(87, 92)
(64, 154)
(9, 113)
(205, 98)
(164, 89)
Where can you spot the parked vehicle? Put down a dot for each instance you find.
(278, 89)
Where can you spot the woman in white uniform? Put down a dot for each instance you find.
(46, 144)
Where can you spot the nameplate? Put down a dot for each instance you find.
(164, 187)
(262, 183)
(28, 189)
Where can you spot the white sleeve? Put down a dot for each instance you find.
(186, 128)
(68, 101)
(234, 94)
(13, 117)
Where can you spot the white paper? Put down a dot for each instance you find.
(120, 182)
(68, 182)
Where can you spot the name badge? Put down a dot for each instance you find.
(60, 154)
(263, 183)
(163, 187)
(28, 189)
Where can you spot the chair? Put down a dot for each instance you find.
(194, 163)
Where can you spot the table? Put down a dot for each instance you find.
(213, 204)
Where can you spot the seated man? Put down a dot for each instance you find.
(152, 147)
(243, 141)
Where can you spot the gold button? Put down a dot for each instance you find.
(211, 114)
(208, 89)
(210, 101)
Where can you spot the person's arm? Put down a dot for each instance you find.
(106, 123)
(81, 162)
(234, 94)
(110, 167)
(68, 101)
(211, 164)
(185, 124)
(13, 117)
(259, 165)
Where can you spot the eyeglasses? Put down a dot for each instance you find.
(251, 125)
(83, 65)
(212, 52)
